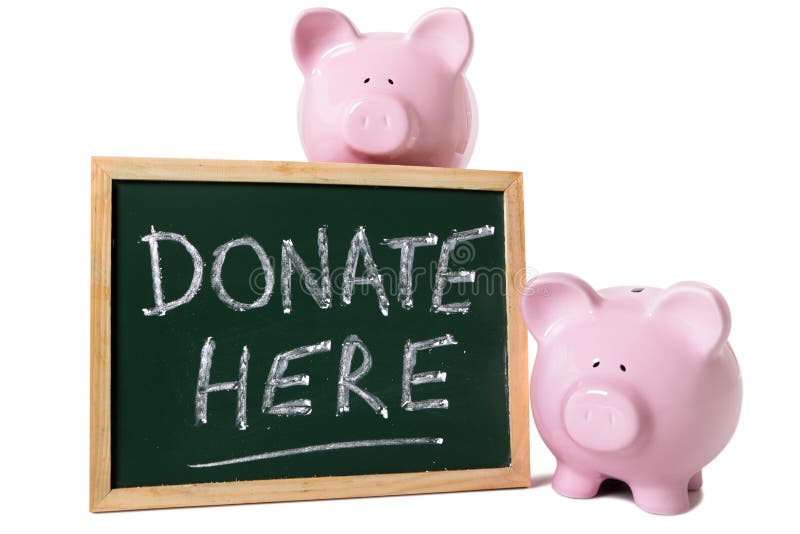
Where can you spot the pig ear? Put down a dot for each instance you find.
(697, 311)
(316, 31)
(552, 297)
(447, 32)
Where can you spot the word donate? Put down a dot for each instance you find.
(320, 290)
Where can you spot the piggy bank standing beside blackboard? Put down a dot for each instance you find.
(632, 383)
(386, 97)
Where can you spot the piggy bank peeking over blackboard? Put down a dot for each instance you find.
(386, 97)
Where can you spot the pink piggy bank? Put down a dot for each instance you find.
(386, 97)
(630, 383)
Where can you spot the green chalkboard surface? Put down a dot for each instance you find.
(230, 385)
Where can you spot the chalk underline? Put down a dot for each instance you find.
(325, 447)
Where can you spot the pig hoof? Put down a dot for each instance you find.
(570, 483)
(663, 501)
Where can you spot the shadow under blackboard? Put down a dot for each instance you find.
(538, 481)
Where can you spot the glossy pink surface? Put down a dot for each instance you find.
(634, 384)
(386, 97)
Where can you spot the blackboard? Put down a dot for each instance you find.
(265, 328)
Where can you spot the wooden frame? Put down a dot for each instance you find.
(105, 170)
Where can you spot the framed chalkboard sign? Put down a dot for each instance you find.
(270, 331)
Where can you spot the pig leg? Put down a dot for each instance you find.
(696, 482)
(664, 499)
(578, 485)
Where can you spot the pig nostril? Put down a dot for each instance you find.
(587, 415)
(386, 120)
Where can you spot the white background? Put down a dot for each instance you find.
(660, 141)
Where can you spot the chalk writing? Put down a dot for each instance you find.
(414, 379)
(204, 387)
(216, 274)
(444, 277)
(161, 307)
(407, 246)
(291, 261)
(320, 289)
(326, 447)
(348, 379)
(276, 380)
(359, 248)
(346, 383)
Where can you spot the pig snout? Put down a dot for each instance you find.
(602, 419)
(377, 126)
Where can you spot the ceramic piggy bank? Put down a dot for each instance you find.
(630, 383)
(386, 97)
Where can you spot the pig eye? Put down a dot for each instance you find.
(595, 362)
(391, 82)
(366, 80)
(622, 368)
